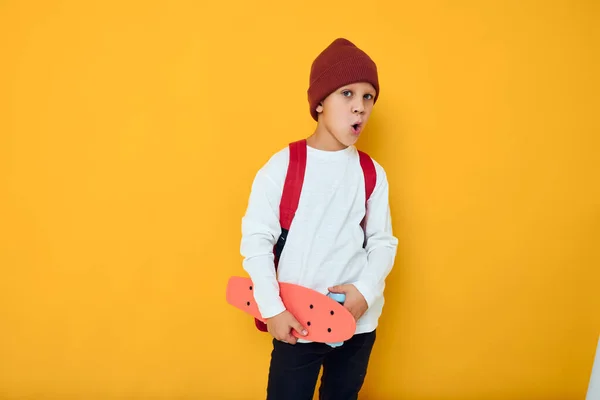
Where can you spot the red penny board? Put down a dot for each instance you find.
(324, 319)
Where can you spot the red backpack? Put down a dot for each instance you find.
(291, 195)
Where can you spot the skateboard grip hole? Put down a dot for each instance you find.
(308, 323)
(328, 329)
(332, 312)
(250, 287)
(247, 303)
(311, 306)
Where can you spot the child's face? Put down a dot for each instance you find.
(344, 113)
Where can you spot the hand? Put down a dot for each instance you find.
(281, 325)
(355, 302)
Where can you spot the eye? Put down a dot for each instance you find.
(369, 96)
(346, 93)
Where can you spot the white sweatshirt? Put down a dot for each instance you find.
(324, 246)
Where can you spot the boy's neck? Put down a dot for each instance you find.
(322, 139)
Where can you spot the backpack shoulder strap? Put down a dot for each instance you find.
(290, 197)
(369, 172)
(370, 175)
(294, 180)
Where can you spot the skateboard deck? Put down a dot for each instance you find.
(324, 319)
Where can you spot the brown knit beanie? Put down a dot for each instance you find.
(341, 63)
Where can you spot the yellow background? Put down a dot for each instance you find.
(129, 136)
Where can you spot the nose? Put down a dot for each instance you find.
(358, 107)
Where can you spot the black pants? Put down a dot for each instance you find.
(295, 368)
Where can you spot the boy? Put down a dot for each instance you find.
(325, 248)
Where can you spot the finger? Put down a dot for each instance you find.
(290, 339)
(338, 289)
(348, 305)
(281, 334)
(299, 328)
(352, 311)
(356, 312)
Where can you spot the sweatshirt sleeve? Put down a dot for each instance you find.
(260, 231)
(381, 244)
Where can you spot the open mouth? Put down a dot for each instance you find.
(356, 128)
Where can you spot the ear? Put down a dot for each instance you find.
(320, 108)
